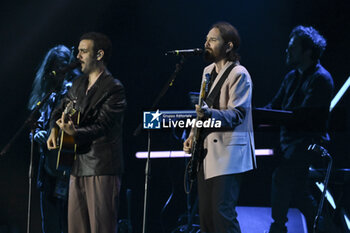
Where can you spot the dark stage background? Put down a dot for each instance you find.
(141, 31)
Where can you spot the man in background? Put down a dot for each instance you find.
(307, 91)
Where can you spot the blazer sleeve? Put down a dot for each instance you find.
(240, 89)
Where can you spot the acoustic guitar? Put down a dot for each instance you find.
(67, 146)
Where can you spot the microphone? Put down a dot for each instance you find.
(185, 52)
(64, 70)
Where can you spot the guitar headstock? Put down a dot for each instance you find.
(204, 88)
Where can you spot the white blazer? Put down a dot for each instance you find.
(231, 152)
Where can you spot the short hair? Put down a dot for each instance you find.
(230, 34)
(101, 41)
(310, 38)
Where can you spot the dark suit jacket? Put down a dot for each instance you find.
(309, 97)
(99, 134)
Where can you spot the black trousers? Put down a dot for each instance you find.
(290, 182)
(218, 198)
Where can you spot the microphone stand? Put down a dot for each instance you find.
(137, 131)
(29, 122)
(30, 177)
(191, 210)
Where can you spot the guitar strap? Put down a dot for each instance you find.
(212, 100)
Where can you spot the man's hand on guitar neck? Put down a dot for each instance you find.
(67, 127)
(187, 147)
(203, 112)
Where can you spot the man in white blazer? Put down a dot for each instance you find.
(230, 150)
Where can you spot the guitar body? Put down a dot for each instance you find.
(66, 152)
(67, 146)
(196, 158)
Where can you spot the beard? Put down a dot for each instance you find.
(85, 67)
(208, 56)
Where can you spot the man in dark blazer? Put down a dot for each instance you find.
(96, 173)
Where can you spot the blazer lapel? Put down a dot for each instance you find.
(222, 71)
(97, 93)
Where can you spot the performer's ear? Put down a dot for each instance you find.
(100, 54)
(229, 46)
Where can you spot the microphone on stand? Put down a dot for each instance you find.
(65, 69)
(185, 52)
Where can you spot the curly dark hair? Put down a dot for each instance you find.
(310, 38)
